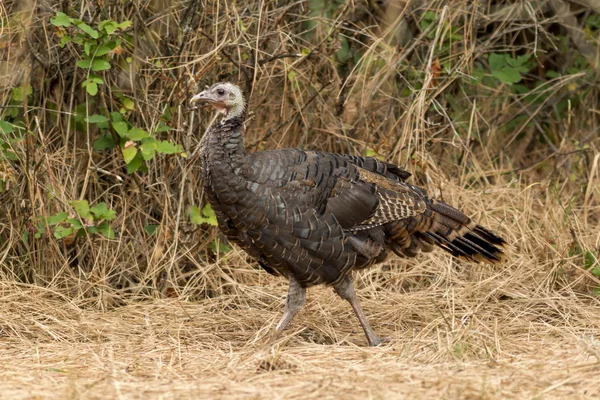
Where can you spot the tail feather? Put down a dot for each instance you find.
(453, 231)
(489, 251)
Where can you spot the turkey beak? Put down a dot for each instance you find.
(200, 97)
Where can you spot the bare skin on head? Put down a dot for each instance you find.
(225, 97)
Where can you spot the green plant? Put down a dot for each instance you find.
(10, 136)
(369, 152)
(206, 216)
(86, 220)
(218, 247)
(136, 144)
(97, 45)
(506, 69)
(591, 262)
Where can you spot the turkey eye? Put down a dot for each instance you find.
(220, 92)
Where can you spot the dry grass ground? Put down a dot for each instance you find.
(173, 350)
(524, 330)
(492, 105)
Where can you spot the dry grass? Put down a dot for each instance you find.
(163, 316)
(522, 330)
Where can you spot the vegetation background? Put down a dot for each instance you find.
(114, 282)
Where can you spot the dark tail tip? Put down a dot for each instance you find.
(478, 244)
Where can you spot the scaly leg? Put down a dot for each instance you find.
(345, 290)
(295, 301)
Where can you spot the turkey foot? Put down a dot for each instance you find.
(345, 290)
(295, 301)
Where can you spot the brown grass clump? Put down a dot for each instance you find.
(158, 311)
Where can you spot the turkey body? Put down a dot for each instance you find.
(317, 216)
(314, 217)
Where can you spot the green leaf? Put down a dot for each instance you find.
(128, 103)
(519, 61)
(195, 215)
(116, 116)
(95, 78)
(124, 25)
(305, 52)
(208, 212)
(64, 40)
(101, 211)
(57, 219)
(121, 128)
(166, 147)
(61, 19)
(137, 134)
(151, 228)
(136, 163)
(129, 153)
(100, 65)
(76, 222)
(10, 155)
(82, 208)
(168, 115)
(6, 127)
(162, 128)
(104, 142)
(108, 26)
(148, 150)
(102, 50)
(61, 232)
(79, 39)
(206, 217)
(291, 75)
(496, 61)
(88, 29)
(81, 232)
(92, 88)
(427, 19)
(20, 92)
(507, 75)
(372, 153)
(344, 54)
(85, 63)
(96, 119)
(222, 248)
(589, 260)
(87, 47)
(106, 230)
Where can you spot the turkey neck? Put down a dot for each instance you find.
(222, 150)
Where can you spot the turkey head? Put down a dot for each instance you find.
(225, 97)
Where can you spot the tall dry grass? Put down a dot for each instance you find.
(401, 79)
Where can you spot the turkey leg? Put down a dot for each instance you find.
(345, 290)
(295, 301)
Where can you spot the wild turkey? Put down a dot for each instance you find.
(314, 217)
